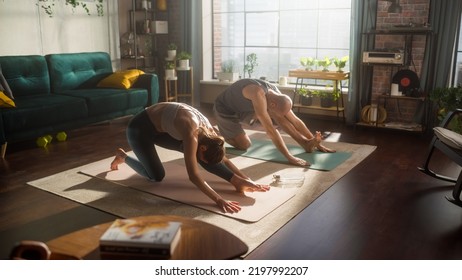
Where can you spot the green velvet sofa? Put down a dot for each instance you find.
(58, 92)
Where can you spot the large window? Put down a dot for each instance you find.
(279, 32)
(458, 78)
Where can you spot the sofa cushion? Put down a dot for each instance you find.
(121, 79)
(73, 70)
(34, 112)
(26, 74)
(4, 85)
(102, 101)
(5, 101)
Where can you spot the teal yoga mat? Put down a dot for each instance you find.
(265, 150)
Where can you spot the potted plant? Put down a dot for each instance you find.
(251, 63)
(170, 70)
(171, 51)
(183, 60)
(308, 63)
(306, 96)
(446, 100)
(328, 96)
(227, 72)
(325, 63)
(340, 63)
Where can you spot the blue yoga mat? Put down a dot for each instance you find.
(265, 150)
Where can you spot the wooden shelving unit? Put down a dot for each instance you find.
(383, 101)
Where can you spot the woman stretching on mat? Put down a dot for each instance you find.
(180, 127)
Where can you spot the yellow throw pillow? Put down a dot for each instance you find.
(121, 79)
(5, 101)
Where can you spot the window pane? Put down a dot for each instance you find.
(335, 4)
(298, 4)
(280, 32)
(226, 55)
(458, 78)
(267, 60)
(458, 72)
(334, 29)
(262, 5)
(262, 29)
(299, 29)
(223, 6)
(231, 29)
(290, 59)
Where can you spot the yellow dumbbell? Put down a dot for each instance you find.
(49, 138)
(42, 142)
(61, 136)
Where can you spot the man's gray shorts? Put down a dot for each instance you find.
(229, 125)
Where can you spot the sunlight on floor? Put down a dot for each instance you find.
(332, 136)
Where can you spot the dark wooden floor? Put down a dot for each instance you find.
(383, 209)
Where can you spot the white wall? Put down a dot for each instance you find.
(26, 29)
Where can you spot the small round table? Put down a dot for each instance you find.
(199, 240)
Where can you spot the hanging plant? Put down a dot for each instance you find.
(48, 5)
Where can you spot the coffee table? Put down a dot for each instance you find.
(199, 240)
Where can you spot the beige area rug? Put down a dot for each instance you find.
(177, 186)
(128, 202)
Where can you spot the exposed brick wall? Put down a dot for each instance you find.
(413, 11)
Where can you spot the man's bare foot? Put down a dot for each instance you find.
(119, 158)
(324, 149)
(321, 147)
(313, 143)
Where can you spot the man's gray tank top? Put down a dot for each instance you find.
(232, 102)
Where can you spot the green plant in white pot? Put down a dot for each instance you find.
(171, 51)
(183, 60)
(170, 70)
(227, 72)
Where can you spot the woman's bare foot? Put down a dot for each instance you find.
(119, 158)
(246, 185)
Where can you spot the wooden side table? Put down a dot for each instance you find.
(186, 79)
(199, 240)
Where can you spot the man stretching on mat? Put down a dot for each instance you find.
(249, 99)
(180, 127)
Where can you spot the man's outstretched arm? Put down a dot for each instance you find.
(257, 96)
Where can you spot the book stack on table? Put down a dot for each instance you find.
(134, 239)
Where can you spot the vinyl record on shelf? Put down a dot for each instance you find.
(407, 80)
